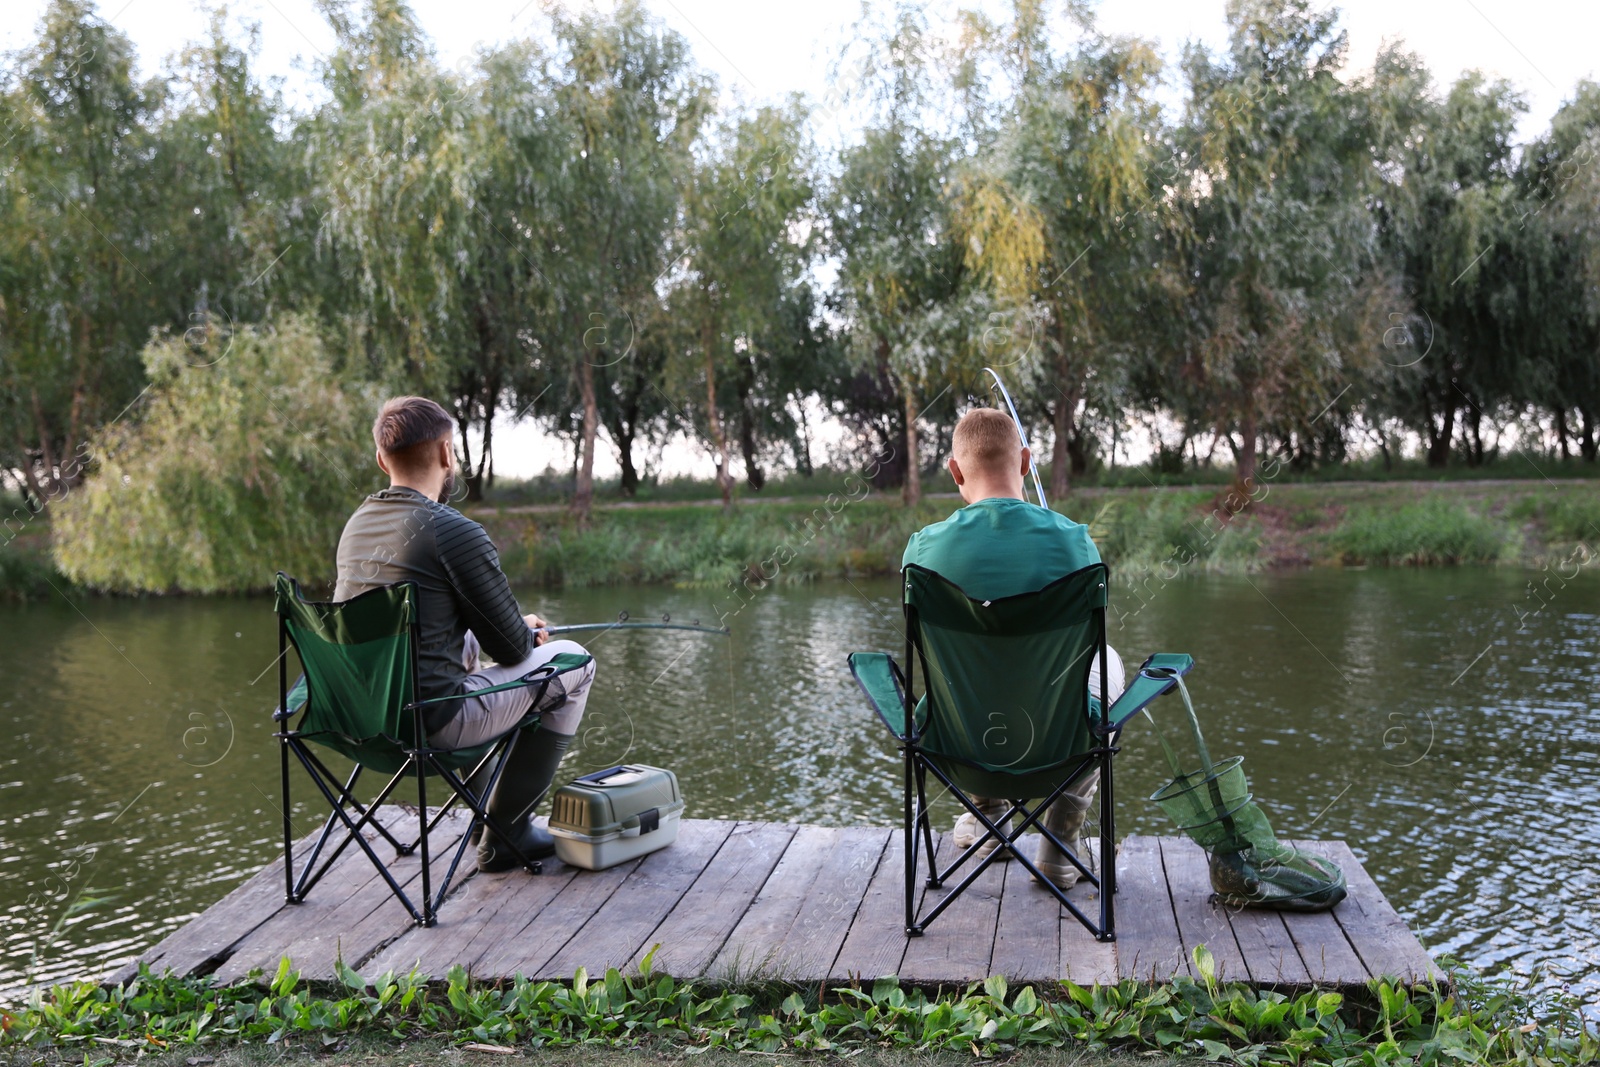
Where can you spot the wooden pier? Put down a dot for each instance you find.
(748, 900)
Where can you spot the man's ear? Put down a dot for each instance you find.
(384, 467)
(955, 471)
(1027, 458)
(446, 451)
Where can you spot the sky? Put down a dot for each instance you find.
(763, 50)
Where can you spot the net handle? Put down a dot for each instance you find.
(1164, 674)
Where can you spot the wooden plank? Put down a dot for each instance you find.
(345, 920)
(1375, 930)
(1324, 949)
(473, 908)
(613, 935)
(876, 941)
(1084, 959)
(753, 948)
(1270, 954)
(524, 899)
(696, 929)
(959, 946)
(196, 946)
(813, 941)
(527, 950)
(1200, 922)
(1027, 937)
(1148, 945)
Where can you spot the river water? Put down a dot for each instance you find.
(1444, 722)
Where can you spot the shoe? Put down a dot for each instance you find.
(1064, 819)
(530, 766)
(968, 829)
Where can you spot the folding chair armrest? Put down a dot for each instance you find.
(882, 680)
(295, 701)
(1153, 679)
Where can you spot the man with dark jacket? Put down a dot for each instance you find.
(407, 533)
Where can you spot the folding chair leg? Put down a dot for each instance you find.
(288, 830)
(1108, 850)
(934, 880)
(422, 818)
(913, 815)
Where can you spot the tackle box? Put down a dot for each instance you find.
(615, 815)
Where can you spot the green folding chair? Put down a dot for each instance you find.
(1005, 712)
(358, 697)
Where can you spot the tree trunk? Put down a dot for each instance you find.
(1248, 434)
(719, 439)
(464, 442)
(754, 476)
(583, 490)
(803, 456)
(911, 491)
(1473, 420)
(1561, 433)
(1078, 453)
(1061, 422)
(1064, 415)
(1586, 443)
(624, 428)
(1440, 435)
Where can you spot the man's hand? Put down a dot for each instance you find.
(539, 627)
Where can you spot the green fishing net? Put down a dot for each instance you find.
(1249, 865)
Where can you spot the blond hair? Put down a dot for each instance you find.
(986, 440)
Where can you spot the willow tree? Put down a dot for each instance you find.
(78, 287)
(1557, 230)
(746, 255)
(627, 103)
(893, 225)
(1281, 234)
(1065, 214)
(392, 172)
(1448, 225)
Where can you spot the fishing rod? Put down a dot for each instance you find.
(1033, 465)
(624, 623)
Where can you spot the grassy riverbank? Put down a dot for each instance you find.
(1144, 530)
(401, 1019)
(1139, 531)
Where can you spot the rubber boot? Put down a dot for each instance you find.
(968, 829)
(1064, 819)
(530, 767)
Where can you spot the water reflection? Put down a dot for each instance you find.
(1403, 711)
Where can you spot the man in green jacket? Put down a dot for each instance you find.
(407, 533)
(1000, 545)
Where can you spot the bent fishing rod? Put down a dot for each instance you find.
(623, 622)
(1033, 464)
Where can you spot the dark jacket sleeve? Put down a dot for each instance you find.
(483, 596)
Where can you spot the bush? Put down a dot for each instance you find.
(1567, 516)
(1430, 531)
(244, 463)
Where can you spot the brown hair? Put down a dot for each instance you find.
(406, 426)
(987, 439)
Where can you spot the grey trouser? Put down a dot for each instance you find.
(485, 717)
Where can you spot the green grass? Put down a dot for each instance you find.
(369, 1050)
(1469, 1020)
(1564, 517)
(1431, 531)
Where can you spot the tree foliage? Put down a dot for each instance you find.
(573, 227)
(248, 455)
